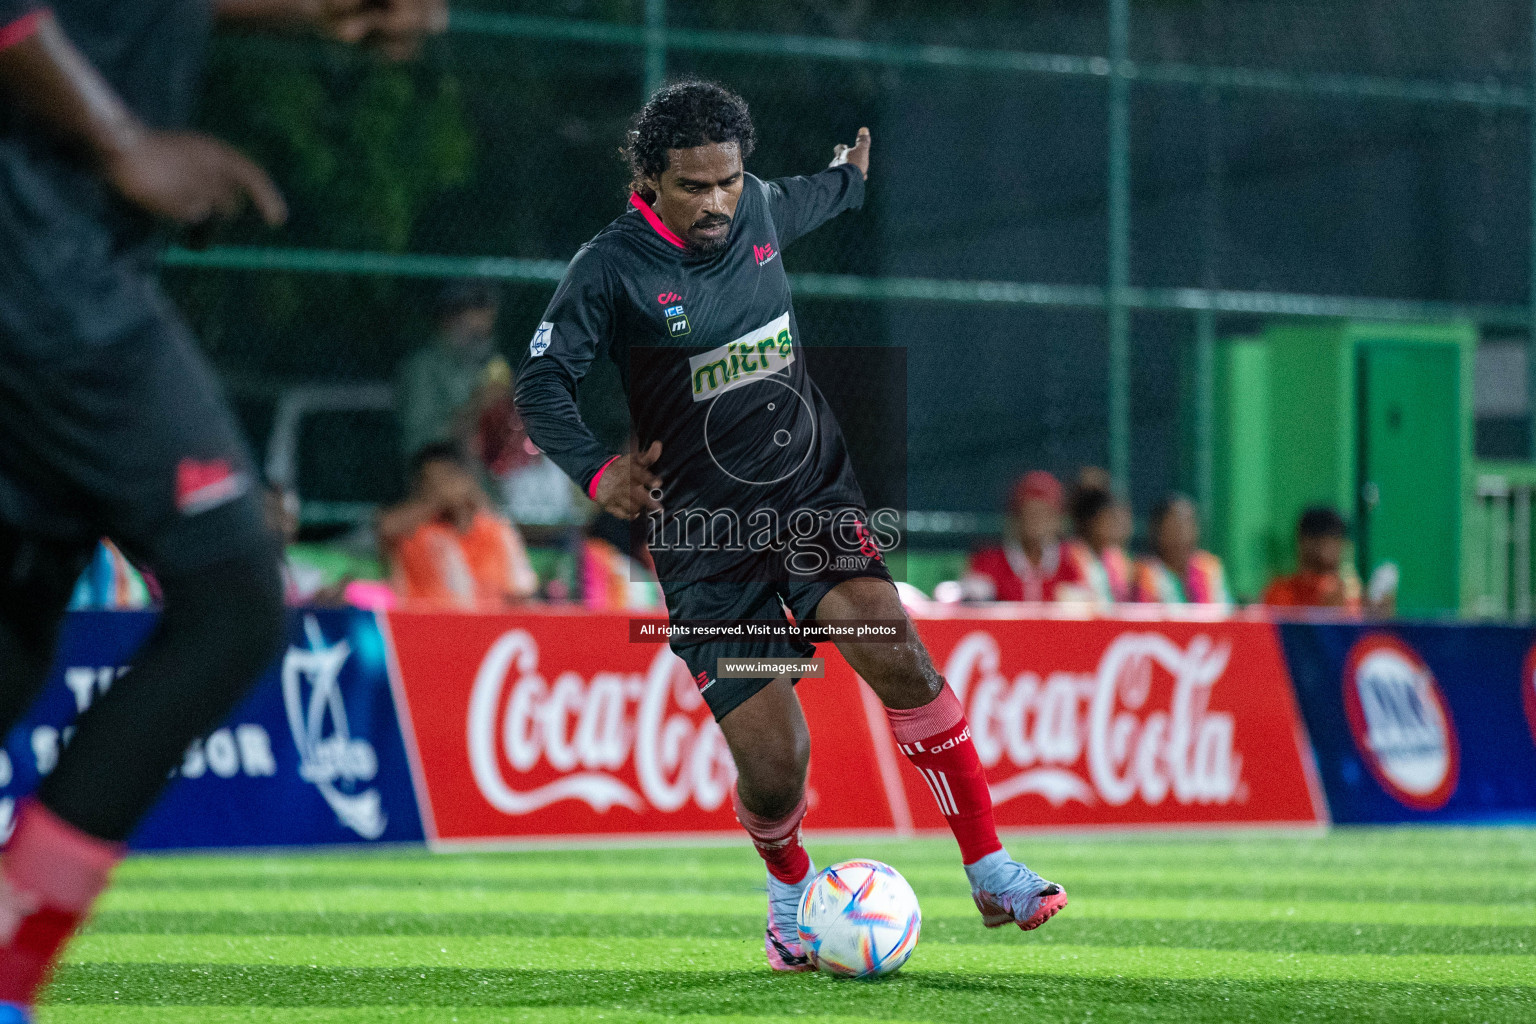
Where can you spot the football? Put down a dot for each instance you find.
(859, 919)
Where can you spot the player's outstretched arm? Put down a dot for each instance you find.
(801, 205)
(395, 27)
(180, 176)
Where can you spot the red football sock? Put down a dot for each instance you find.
(777, 840)
(50, 874)
(937, 740)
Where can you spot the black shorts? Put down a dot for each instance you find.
(756, 601)
(130, 440)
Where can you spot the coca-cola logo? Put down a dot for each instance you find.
(1528, 690)
(1139, 726)
(1400, 721)
(637, 740)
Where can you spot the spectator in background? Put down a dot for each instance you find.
(1099, 547)
(302, 584)
(532, 488)
(1323, 579)
(459, 389)
(1030, 564)
(1177, 571)
(445, 545)
(616, 572)
(444, 388)
(1123, 524)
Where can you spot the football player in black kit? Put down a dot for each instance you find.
(741, 473)
(111, 423)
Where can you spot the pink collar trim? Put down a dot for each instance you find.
(655, 221)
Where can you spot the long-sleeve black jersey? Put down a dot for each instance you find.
(712, 362)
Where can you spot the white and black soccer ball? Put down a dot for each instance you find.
(859, 919)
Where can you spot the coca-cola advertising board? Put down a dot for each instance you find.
(1084, 723)
(546, 725)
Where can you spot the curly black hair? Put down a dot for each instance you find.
(681, 116)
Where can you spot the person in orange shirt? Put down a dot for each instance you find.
(445, 545)
(1031, 564)
(1322, 578)
(1100, 522)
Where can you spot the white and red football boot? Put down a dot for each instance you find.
(1006, 892)
(781, 941)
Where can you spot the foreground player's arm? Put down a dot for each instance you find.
(577, 324)
(180, 176)
(802, 204)
(395, 26)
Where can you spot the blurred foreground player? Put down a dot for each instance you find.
(112, 425)
(748, 490)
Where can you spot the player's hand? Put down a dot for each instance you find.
(395, 27)
(857, 154)
(191, 179)
(628, 486)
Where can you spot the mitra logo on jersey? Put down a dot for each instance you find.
(752, 356)
(764, 253)
(201, 486)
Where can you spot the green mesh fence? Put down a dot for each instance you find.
(1070, 201)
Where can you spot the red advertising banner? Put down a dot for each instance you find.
(545, 725)
(1125, 723)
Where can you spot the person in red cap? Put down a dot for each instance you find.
(1030, 563)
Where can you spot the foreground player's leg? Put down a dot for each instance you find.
(38, 578)
(931, 729)
(772, 746)
(220, 627)
(36, 581)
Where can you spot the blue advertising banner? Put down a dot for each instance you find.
(313, 756)
(1419, 722)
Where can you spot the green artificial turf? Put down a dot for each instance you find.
(1391, 925)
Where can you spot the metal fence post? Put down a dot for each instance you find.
(655, 46)
(1119, 382)
(1205, 414)
(1530, 345)
(1210, 273)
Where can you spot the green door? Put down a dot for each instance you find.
(1408, 470)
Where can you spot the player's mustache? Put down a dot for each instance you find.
(711, 220)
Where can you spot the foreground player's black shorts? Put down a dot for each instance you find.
(130, 440)
(751, 601)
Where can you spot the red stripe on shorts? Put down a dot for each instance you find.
(22, 29)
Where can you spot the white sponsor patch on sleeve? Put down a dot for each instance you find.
(541, 338)
(754, 355)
